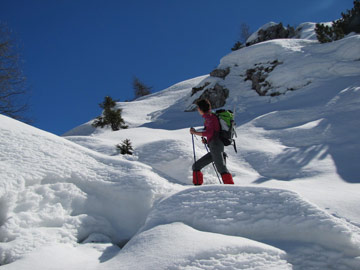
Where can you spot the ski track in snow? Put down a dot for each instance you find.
(72, 203)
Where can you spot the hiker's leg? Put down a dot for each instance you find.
(217, 150)
(202, 162)
(197, 166)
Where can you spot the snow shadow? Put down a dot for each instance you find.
(286, 166)
(313, 256)
(109, 253)
(309, 136)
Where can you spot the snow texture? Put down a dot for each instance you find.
(53, 190)
(256, 213)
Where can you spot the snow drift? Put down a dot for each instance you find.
(53, 190)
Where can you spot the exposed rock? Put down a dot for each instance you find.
(258, 76)
(200, 88)
(220, 73)
(216, 95)
(273, 32)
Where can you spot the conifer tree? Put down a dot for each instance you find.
(140, 89)
(350, 22)
(125, 148)
(111, 116)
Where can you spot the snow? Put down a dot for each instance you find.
(256, 213)
(178, 246)
(53, 190)
(73, 202)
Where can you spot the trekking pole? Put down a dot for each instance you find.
(193, 147)
(217, 174)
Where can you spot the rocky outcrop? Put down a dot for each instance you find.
(258, 76)
(273, 32)
(217, 96)
(200, 88)
(220, 73)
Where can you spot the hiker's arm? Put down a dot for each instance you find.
(193, 131)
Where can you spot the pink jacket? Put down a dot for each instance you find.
(212, 126)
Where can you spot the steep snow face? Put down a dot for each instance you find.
(53, 190)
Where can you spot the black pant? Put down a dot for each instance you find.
(216, 154)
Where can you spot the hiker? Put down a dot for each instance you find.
(216, 146)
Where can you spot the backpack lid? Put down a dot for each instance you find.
(225, 115)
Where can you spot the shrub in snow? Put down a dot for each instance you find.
(237, 46)
(350, 22)
(125, 148)
(111, 116)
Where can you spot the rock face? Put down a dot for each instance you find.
(216, 95)
(200, 88)
(273, 32)
(220, 73)
(258, 76)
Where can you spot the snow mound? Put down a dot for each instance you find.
(178, 246)
(257, 213)
(53, 190)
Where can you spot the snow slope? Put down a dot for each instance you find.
(53, 190)
(75, 203)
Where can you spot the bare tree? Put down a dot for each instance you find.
(140, 89)
(13, 88)
(244, 32)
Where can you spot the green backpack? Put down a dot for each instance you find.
(227, 127)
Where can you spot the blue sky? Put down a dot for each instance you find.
(76, 52)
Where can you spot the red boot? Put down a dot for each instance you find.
(227, 179)
(197, 178)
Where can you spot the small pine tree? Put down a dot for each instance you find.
(140, 89)
(326, 33)
(125, 148)
(237, 46)
(108, 103)
(111, 116)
